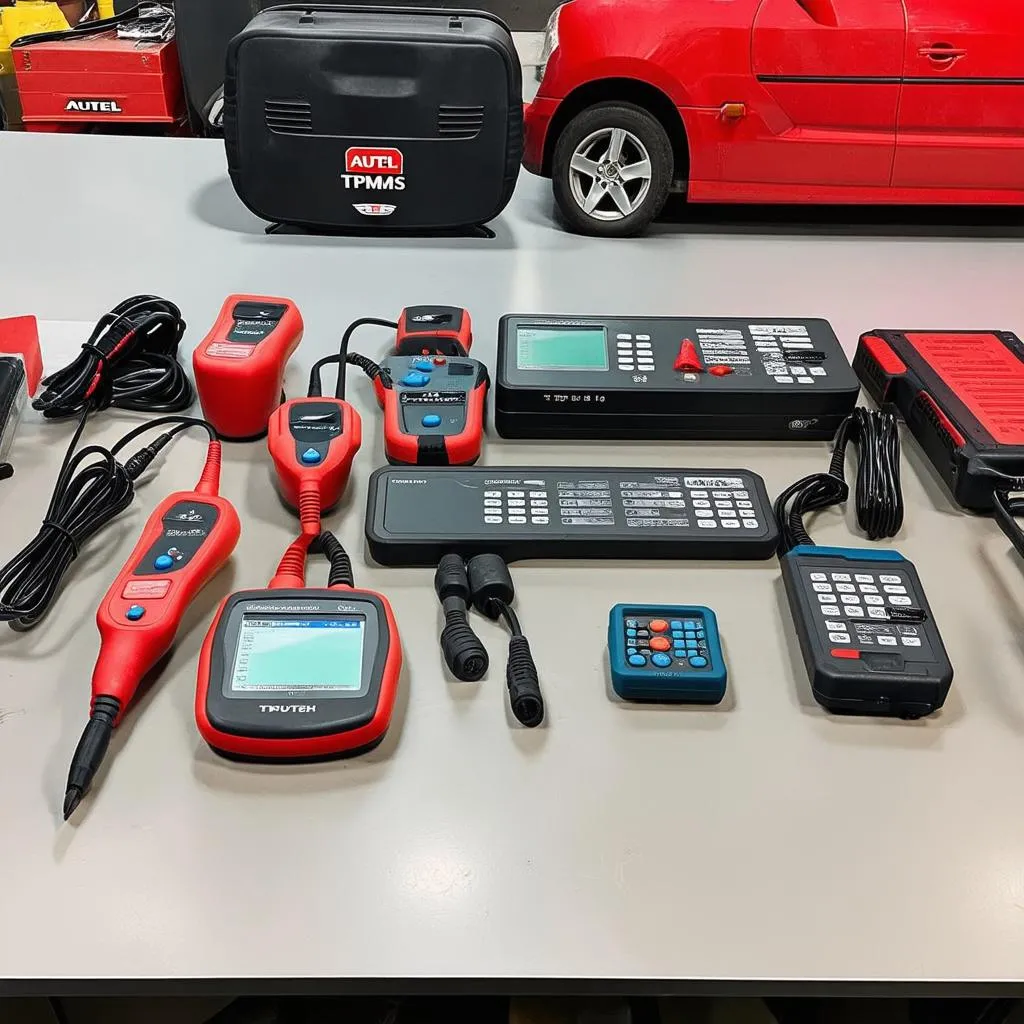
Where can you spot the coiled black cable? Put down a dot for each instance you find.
(341, 565)
(130, 361)
(878, 494)
(93, 486)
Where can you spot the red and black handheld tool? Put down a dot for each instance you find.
(296, 673)
(187, 539)
(961, 394)
(433, 395)
(434, 330)
(239, 366)
(313, 441)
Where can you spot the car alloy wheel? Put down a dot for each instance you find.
(610, 174)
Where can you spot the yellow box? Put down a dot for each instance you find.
(26, 18)
(105, 8)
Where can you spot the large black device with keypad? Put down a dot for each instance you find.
(671, 377)
(414, 516)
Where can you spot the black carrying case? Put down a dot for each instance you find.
(381, 118)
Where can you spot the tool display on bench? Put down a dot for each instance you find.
(414, 517)
(715, 378)
(433, 395)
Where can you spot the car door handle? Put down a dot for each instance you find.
(942, 53)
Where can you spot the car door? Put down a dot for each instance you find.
(961, 120)
(828, 83)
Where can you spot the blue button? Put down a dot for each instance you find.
(311, 457)
(638, 660)
(677, 634)
(630, 632)
(700, 634)
(423, 365)
(662, 660)
(431, 420)
(679, 645)
(689, 624)
(691, 634)
(630, 651)
(698, 662)
(675, 624)
(162, 562)
(691, 645)
(134, 613)
(415, 380)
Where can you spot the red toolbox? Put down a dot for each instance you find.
(99, 79)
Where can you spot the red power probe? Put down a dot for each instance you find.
(239, 366)
(187, 539)
(433, 395)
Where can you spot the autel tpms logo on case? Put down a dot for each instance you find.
(374, 209)
(374, 168)
(94, 106)
(297, 709)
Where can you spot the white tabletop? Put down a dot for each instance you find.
(763, 841)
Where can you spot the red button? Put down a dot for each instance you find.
(658, 626)
(720, 371)
(660, 643)
(439, 360)
(688, 361)
(845, 652)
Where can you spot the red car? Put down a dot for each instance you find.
(777, 101)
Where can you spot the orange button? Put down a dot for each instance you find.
(658, 626)
(845, 652)
(152, 589)
(660, 643)
(720, 371)
(439, 360)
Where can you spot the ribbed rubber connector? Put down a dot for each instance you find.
(463, 652)
(524, 684)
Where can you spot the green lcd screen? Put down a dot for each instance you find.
(277, 653)
(561, 348)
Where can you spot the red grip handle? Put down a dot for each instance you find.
(140, 614)
(239, 365)
(462, 449)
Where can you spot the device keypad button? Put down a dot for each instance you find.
(135, 612)
(658, 626)
(637, 660)
(660, 643)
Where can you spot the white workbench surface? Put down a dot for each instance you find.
(763, 841)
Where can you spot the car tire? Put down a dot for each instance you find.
(624, 208)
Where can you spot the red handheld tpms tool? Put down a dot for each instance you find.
(433, 395)
(313, 441)
(189, 536)
(239, 366)
(297, 674)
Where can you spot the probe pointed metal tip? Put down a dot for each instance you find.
(72, 798)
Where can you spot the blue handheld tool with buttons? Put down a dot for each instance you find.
(671, 654)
